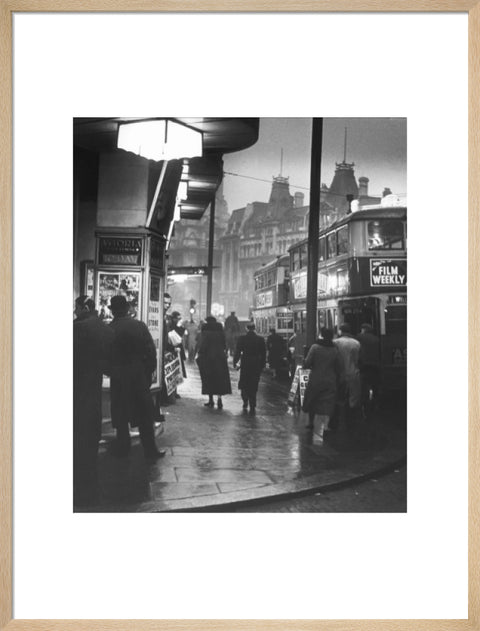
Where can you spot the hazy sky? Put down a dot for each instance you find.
(377, 146)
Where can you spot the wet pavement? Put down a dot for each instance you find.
(220, 458)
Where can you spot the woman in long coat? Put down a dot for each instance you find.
(326, 375)
(212, 362)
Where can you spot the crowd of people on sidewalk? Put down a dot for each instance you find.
(344, 378)
(343, 372)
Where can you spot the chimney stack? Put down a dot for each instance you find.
(298, 200)
(386, 191)
(363, 188)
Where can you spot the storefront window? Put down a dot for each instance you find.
(386, 235)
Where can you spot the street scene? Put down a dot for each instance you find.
(240, 315)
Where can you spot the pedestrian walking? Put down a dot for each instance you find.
(326, 377)
(232, 331)
(276, 352)
(212, 362)
(192, 332)
(251, 353)
(134, 360)
(92, 346)
(369, 365)
(349, 349)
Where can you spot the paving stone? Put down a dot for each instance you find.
(165, 490)
(223, 475)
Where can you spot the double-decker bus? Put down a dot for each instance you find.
(271, 309)
(362, 278)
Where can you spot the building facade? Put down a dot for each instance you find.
(189, 248)
(261, 231)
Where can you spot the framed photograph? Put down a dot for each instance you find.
(156, 554)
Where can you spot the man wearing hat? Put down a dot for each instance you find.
(134, 360)
(92, 344)
(251, 353)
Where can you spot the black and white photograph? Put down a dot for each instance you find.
(240, 315)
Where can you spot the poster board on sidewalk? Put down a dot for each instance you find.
(304, 376)
(292, 395)
(172, 373)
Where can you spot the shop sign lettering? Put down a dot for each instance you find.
(388, 272)
(119, 251)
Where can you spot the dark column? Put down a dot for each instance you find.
(313, 229)
(211, 239)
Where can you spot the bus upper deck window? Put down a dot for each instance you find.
(386, 234)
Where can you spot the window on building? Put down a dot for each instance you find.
(303, 255)
(342, 240)
(331, 245)
(386, 234)
(296, 259)
(322, 249)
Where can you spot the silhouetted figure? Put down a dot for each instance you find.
(325, 363)
(133, 362)
(212, 362)
(232, 331)
(92, 344)
(276, 350)
(251, 353)
(192, 334)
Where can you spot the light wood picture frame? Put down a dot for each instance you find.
(7, 9)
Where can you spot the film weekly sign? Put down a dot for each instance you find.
(388, 272)
(119, 251)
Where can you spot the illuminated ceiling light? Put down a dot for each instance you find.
(160, 139)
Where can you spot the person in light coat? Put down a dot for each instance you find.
(349, 349)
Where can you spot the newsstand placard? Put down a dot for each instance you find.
(172, 372)
(388, 272)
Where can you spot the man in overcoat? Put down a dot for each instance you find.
(276, 349)
(251, 353)
(92, 345)
(134, 360)
(232, 331)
